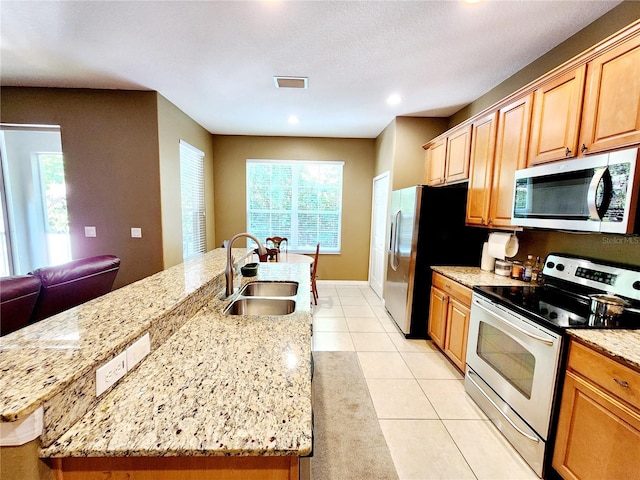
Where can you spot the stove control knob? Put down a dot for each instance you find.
(553, 315)
(560, 267)
(636, 285)
(550, 264)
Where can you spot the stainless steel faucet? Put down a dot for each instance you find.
(228, 272)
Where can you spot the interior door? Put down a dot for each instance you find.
(377, 255)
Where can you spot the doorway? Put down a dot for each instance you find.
(378, 253)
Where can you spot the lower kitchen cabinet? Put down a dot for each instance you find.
(598, 433)
(449, 311)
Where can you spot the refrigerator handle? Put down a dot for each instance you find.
(395, 263)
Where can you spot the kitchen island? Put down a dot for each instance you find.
(221, 392)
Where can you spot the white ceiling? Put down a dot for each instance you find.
(216, 60)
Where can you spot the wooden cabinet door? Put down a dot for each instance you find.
(511, 155)
(611, 114)
(458, 152)
(598, 436)
(436, 158)
(456, 335)
(556, 118)
(483, 145)
(438, 316)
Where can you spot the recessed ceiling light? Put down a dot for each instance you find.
(294, 120)
(291, 82)
(394, 99)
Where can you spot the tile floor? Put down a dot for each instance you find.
(433, 430)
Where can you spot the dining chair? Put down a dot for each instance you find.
(314, 269)
(277, 242)
(270, 256)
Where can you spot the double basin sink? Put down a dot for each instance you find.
(264, 298)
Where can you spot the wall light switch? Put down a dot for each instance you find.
(89, 231)
(136, 233)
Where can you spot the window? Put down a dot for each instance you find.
(194, 234)
(300, 200)
(34, 230)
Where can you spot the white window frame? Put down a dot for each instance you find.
(193, 207)
(292, 243)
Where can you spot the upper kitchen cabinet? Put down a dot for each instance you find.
(499, 148)
(556, 118)
(611, 114)
(448, 158)
(483, 146)
(436, 157)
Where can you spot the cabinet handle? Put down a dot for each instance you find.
(622, 383)
(584, 148)
(567, 152)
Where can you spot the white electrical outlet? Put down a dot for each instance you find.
(89, 231)
(138, 351)
(136, 232)
(110, 373)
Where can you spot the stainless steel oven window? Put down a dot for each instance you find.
(507, 357)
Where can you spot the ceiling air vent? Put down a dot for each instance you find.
(291, 82)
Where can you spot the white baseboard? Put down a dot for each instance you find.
(344, 283)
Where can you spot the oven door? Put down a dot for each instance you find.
(517, 358)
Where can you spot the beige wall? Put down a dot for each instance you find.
(385, 146)
(411, 134)
(110, 145)
(229, 157)
(616, 19)
(399, 149)
(173, 126)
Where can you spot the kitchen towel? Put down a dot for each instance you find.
(487, 262)
(502, 245)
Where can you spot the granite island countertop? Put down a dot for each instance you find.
(221, 385)
(48, 369)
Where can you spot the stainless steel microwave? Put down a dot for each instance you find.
(593, 194)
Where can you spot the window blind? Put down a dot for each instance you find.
(299, 200)
(194, 236)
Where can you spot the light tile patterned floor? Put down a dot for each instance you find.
(433, 429)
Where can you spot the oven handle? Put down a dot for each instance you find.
(524, 434)
(535, 337)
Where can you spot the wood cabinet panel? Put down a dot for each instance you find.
(449, 313)
(606, 373)
(556, 118)
(511, 155)
(598, 437)
(436, 156)
(457, 330)
(177, 468)
(458, 151)
(611, 114)
(483, 145)
(437, 316)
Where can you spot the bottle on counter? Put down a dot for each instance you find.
(516, 270)
(527, 269)
(535, 272)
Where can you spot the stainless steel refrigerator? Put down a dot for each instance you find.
(427, 227)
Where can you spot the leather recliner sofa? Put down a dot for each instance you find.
(60, 287)
(18, 295)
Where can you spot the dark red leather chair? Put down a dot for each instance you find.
(18, 295)
(65, 286)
